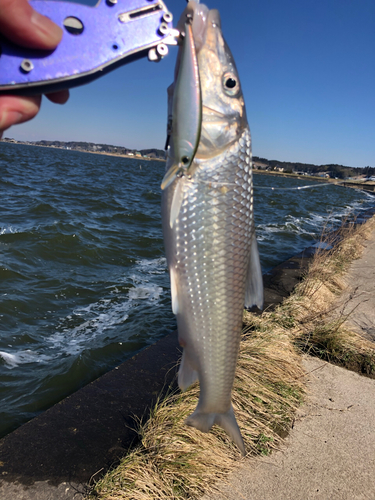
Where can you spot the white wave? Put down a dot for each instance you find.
(151, 292)
(104, 315)
(153, 266)
(8, 230)
(23, 357)
(310, 225)
(99, 317)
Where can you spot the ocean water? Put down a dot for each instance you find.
(83, 276)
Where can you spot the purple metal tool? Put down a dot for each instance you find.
(95, 41)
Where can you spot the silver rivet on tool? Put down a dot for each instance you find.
(167, 17)
(27, 65)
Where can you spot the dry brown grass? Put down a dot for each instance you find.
(321, 330)
(174, 461)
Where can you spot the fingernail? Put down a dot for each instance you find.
(50, 32)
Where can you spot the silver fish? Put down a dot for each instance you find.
(209, 232)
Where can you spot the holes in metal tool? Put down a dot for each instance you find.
(26, 66)
(163, 28)
(73, 25)
(167, 17)
(115, 46)
(144, 12)
(162, 49)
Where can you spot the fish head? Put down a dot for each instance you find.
(223, 106)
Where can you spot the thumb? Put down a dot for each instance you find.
(25, 26)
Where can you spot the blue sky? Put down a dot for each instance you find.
(307, 69)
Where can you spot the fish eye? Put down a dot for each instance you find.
(185, 160)
(231, 84)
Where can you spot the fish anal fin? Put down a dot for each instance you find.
(187, 375)
(254, 286)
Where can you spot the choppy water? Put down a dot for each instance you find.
(83, 277)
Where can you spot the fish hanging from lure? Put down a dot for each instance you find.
(207, 214)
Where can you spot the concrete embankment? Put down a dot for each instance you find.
(55, 455)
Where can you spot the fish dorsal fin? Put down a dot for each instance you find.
(174, 288)
(254, 287)
(178, 196)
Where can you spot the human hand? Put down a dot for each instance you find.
(23, 25)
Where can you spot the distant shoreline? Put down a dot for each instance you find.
(134, 157)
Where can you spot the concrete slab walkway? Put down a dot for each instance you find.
(330, 452)
(359, 298)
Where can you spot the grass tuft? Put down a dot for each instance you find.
(321, 330)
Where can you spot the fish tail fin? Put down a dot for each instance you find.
(187, 375)
(227, 421)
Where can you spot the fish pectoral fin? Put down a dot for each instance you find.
(170, 176)
(174, 288)
(177, 200)
(228, 422)
(187, 375)
(254, 287)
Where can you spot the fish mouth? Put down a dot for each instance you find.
(199, 13)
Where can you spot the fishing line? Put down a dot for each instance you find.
(308, 186)
(216, 184)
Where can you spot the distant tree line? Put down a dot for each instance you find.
(333, 170)
(103, 148)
